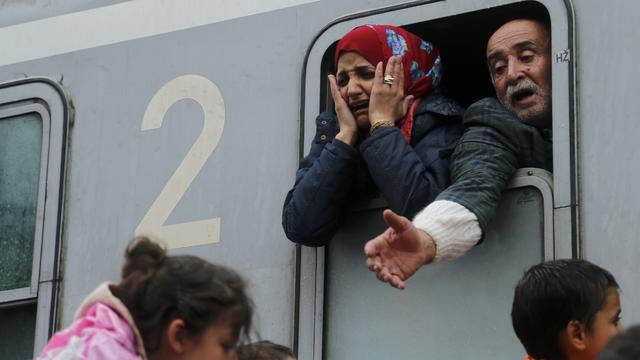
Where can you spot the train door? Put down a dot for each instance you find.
(450, 310)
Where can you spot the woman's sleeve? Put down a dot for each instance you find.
(410, 177)
(314, 208)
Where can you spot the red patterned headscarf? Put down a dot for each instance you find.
(420, 59)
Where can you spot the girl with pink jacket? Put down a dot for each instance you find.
(164, 308)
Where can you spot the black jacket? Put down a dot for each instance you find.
(409, 176)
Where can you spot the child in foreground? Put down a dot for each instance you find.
(265, 350)
(566, 310)
(164, 308)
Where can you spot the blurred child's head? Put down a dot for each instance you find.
(625, 346)
(566, 309)
(264, 350)
(183, 306)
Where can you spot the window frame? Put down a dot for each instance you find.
(46, 98)
(9, 111)
(562, 223)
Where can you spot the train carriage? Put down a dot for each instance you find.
(186, 120)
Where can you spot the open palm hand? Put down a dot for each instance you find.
(396, 254)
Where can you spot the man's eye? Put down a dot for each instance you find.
(228, 346)
(499, 69)
(526, 58)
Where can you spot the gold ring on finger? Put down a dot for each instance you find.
(388, 79)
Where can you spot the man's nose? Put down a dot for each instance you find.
(514, 71)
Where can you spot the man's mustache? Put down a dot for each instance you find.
(522, 86)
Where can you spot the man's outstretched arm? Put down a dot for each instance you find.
(483, 162)
(406, 246)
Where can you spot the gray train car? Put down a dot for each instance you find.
(186, 120)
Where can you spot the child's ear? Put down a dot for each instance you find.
(175, 335)
(575, 335)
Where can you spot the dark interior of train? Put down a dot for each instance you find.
(462, 40)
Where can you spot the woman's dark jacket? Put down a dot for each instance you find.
(409, 176)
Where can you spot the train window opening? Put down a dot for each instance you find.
(462, 41)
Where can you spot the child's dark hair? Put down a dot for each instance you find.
(157, 289)
(264, 350)
(552, 294)
(624, 346)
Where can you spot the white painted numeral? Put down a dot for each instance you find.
(205, 93)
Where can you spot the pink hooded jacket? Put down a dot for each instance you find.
(103, 330)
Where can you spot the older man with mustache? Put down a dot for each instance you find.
(500, 137)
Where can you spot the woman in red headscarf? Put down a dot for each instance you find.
(392, 130)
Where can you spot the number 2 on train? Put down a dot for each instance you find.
(205, 93)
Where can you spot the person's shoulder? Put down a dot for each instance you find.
(489, 114)
(99, 330)
(489, 110)
(487, 102)
(109, 332)
(439, 104)
(440, 113)
(486, 121)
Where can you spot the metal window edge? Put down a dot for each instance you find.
(543, 181)
(8, 298)
(574, 131)
(51, 93)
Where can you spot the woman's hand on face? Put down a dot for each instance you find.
(387, 101)
(348, 126)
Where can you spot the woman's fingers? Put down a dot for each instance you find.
(378, 78)
(346, 121)
(395, 70)
(389, 71)
(399, 75)
(339, 103)
(335, 92)
(387, 100)
(408, 100)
